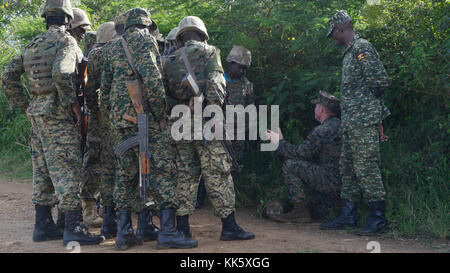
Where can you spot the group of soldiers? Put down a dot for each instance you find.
(120, 52)
(132, 49)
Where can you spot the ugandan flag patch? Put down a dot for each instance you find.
(361, 57)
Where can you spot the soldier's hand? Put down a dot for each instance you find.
(383, 137)
(162, 124)
(272, 136)
(77, 112)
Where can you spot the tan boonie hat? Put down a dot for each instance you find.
(330, 101)
(240, 55)
(80, 19)
(172, 36)
(340, 17)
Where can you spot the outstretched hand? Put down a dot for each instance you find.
(274, 137)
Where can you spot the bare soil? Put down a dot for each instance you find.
(17, 222)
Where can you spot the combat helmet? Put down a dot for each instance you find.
(172, 36)
(57, 8)
(106, 32)
(192, 23)
(80, 19)
(138, 16)
(240, 55)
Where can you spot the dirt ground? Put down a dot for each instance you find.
(17, 221)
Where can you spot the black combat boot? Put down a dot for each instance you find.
(231, 231)
(346, 219)
(44, 228)
(125, 233)
(146, 230)
(75, 231)
(109, 225)
(377, 222)
(183, 225)
(201, 195)
(169, 236)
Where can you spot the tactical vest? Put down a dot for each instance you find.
(237, 91)
(38, 59)
(175, 70)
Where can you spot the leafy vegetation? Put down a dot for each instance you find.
(292, 61)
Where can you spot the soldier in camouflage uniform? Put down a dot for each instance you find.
(80, 24)
(49, 64)
(312, 168)
(116, 99)
(363, 82)
(92, 163)
(196, 157)
(239, 92)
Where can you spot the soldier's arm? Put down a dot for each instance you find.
(12, 85)
(307, 150)
(215, 81)
(63, 70)
(373, 70)
(147, 67)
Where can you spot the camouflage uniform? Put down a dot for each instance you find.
(239, 92)
(313, 167)
(195, 158)
(116, 100)
(49, 62)
(363, 75)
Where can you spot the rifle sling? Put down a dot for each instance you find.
(188, 64)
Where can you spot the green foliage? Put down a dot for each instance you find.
(292, 61)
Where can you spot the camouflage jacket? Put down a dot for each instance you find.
(321, 146)
(239, 92)
(94, 71)
(60, 66)
(362, 75)
(116, 71)
(207, 66)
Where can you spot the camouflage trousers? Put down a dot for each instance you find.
(211, 162)
(316, 186)
(359, 165)
(92, 165)
(56, 159)
(108, 170)
(162, 189)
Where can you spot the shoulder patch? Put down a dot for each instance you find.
(361, 57)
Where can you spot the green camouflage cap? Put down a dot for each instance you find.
(240, 55)
(340, 17)
(91, 37)
(138, 16)
(330, 101)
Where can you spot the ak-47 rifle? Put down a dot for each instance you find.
(141, 139)
(189, 81)
(81, 96)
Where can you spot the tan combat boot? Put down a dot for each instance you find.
(300, 214)
(90, 216)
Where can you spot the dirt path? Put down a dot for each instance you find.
(17, 220)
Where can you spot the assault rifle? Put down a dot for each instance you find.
(81, 96)
(141, 139)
